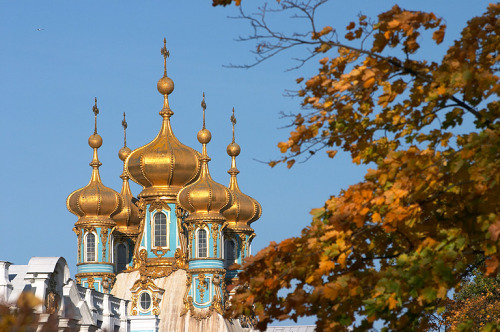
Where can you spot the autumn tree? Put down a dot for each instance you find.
(22, 316)
(475, 306)
(390, 248)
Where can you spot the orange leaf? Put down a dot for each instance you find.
(494, 230)
(491, 265)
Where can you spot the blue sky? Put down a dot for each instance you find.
(111, 50)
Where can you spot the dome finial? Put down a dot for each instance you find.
(124, 125)
(204, 135)
(96, 111)
(125, 151)
(204, 106)
(165, 54)
(233, 149)
(95, 142)
(165, 85)
(233, 121)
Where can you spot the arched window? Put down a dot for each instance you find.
(121, 257)
(160, 230)
(202, 243)
(229, 253)
(90, 252)
(145, 301)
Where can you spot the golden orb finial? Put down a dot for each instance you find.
(125, 151)
(204, 135)
(95, 140)
(165, 85)
(233, 149)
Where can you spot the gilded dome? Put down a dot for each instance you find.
(244, 210)
(94, 203)
(165, 165)
(205, 199)
(127, 219)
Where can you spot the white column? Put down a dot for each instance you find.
(5, 285)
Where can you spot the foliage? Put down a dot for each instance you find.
(391, 247)
(23, 316)
(475, 306)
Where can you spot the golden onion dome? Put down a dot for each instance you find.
(127, 219)
(165, 165)
(95, 203)
(244, 210)
(205, 199)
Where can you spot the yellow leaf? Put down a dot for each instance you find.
(392, 302)
(369, 82)
(441, 90)
(283, 147)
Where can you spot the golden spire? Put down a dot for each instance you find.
(125, 151)
(233, 150)
(233, 121)
(204, 135)
(165, 84)
(95, 142)
(96, 111)
(129, 214)
(163, 166)
(165, 54)
(205, 199)
(244, 209)
(94, 203)
(124, 125)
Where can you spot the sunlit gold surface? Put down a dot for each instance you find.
(205, 199)
(94, 203)
(163, 166)
(244, 209)
(123, 153)
(165, 86)
(128, 218)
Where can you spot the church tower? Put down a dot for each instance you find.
(162, 167)
(244, 210)
(169, 250)
(95, 205)
(204, 201)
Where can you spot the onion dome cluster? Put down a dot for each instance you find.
(205, 199)
(94, 203)
(163, 166)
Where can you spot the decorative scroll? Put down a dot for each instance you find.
(90, 282)
(78, 232)
(215, 236)
(158, 205)
(180, 260)
(217, 300)
(202, 285)
(159, 251)
(104, 239)
(243, 239)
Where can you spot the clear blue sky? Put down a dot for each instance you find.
(111, 50)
